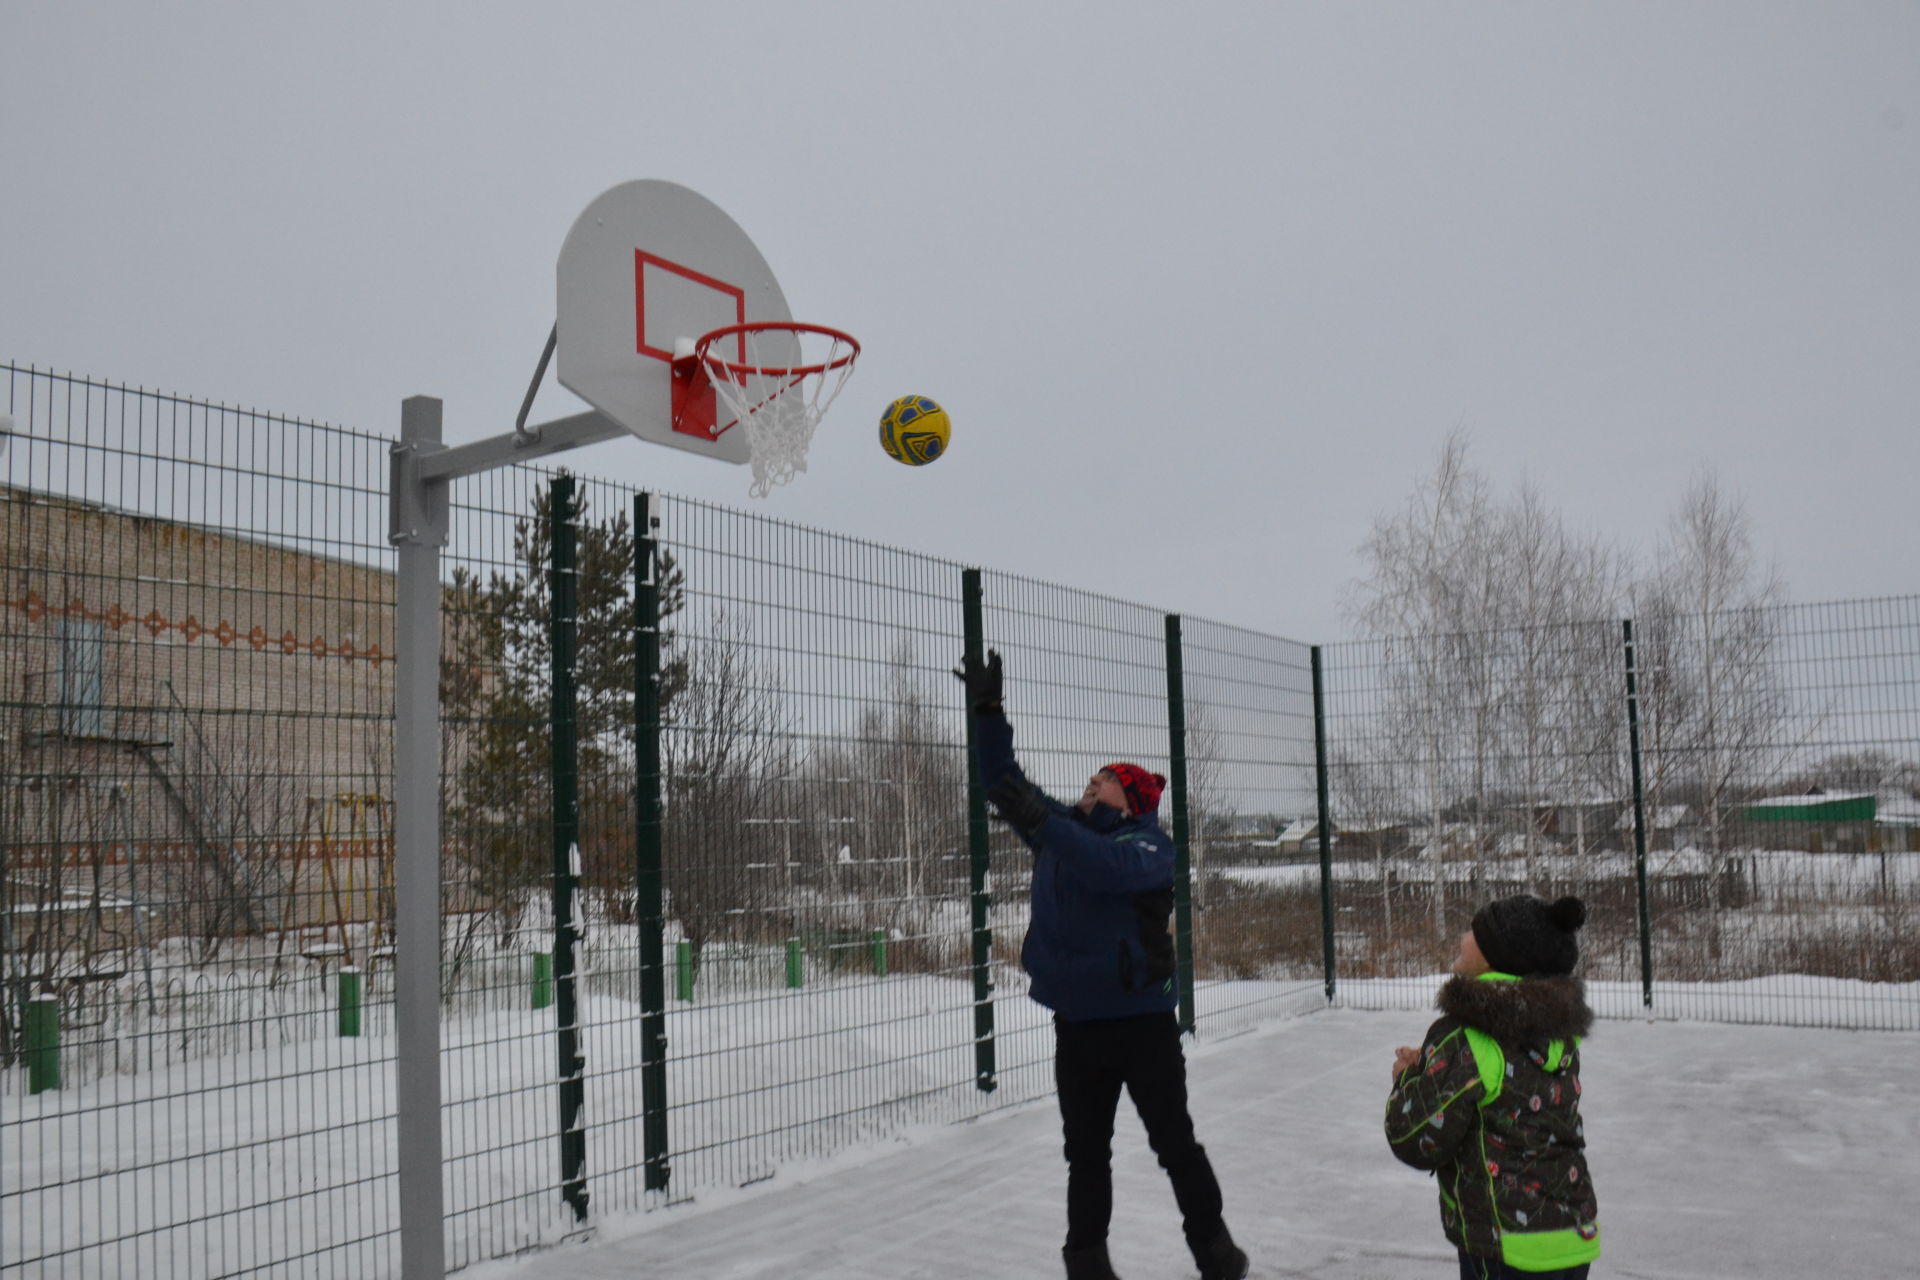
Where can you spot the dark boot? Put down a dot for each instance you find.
(1220, 1258)
(1089, 1263)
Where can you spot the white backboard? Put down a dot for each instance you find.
(647, 266)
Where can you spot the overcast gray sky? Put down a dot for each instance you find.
(1204, 286)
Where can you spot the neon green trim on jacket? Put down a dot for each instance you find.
(1525, 1250)
(1548, 1250)
(1426, 1117)
(1491, 1060)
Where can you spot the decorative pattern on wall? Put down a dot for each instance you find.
(191, 629)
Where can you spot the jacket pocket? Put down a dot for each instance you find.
(1153, 915)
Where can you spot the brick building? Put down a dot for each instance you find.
(195, 729)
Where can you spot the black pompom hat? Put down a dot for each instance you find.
(1530, 937)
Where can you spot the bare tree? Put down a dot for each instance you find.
(1712, 704)
(1556, 690)
(1367, 792)
(1497, 670)
(727, 748)
(1426, 589)
(1210, 807)
(892, 795)
(1869, 769)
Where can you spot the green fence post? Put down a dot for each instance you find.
(542, 979)
(43, 1043)
(563, 595)
(648, 881)
(880, 953)
(683, 970)
(972, 613)
(796, 967)
(1639, 818)
(349, 1000)
(1182, 868)
(1325, 811)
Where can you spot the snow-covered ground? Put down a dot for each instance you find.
(1789, 875)
(1720, 1153)
(1779, 1000)
(824, 1132)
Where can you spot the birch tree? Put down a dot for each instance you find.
(1427, 580)
(728, 746)
(1497, 676)
(1707, 621)
(1210, 808)
(1556, 657)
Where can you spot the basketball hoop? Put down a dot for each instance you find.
(776, 387)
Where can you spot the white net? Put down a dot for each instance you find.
(776, 407)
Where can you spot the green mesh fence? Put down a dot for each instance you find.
(769, 924)
(1745, 829)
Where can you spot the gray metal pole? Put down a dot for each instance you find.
(422, 468)
(417, 514)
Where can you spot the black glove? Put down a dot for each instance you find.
(1020, 804)
(983, 683)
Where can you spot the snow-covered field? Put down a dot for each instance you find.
(1790, 875)
(1782, 1000)
(836, 1107)
(1719, 1152)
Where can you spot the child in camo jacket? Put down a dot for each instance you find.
(1490, 1101)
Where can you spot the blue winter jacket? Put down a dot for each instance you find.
(1097, 943)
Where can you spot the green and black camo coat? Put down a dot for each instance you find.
(1518, 1164)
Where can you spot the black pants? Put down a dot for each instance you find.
(1092, 1061)
(1472, 1268)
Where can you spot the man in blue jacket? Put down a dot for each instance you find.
(1099, 954)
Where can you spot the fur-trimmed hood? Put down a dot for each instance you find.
(1522, 1011)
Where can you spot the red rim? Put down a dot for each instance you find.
(739, 370)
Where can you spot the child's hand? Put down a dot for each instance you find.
(1404, 1057)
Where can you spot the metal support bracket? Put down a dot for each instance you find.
(521, 435)
(417, 503)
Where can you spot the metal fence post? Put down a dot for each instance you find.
(651, 907)
(972, 609)
(1639, 819)
(1182, 868)
(542, 979)
(349, 992)
(43, 1043)
(563, 603)
(417, 527)
(1325, 811)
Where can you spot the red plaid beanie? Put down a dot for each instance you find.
(1143, 788)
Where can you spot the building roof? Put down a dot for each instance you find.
(1817, 806)
(1660, 817)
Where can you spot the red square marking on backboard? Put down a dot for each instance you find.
(641, 261)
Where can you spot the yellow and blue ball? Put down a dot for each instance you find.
(913, 430)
